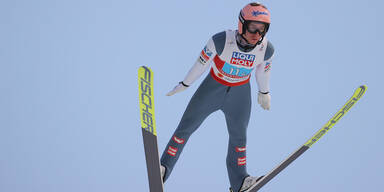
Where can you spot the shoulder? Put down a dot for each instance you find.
(219, 41)
(220, 36)
(269, 51)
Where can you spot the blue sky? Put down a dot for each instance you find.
(69, 117)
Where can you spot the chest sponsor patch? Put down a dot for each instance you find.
(235, 72)
(242, 59)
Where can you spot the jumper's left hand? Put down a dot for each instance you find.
(264, 99)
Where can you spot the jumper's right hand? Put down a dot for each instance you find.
(178, 88)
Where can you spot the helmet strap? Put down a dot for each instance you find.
(260, 40)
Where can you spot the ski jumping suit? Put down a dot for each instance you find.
(226, 88)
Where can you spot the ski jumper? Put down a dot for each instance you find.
(225, 88)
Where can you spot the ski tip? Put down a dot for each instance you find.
(360, 91)
(363, 88)
(145, 70)
(145, 67)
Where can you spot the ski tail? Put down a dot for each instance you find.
(359, 92)
(148, 127)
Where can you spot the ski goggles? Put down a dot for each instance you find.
(256, 27)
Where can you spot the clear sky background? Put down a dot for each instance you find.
(69, 115)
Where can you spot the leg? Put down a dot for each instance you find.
(207, 99)
(237, 109)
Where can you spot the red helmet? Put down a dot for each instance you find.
(254, 12)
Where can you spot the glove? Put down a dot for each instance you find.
(264, 99)
(178, 88)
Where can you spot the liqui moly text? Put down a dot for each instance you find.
(242, 59)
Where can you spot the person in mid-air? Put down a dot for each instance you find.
(235, 54)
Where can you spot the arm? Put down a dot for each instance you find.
(263, 70)
(201, 64)
(262, 78)
(214, 46)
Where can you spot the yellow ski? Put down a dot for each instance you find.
(148, 127)
(355, 97)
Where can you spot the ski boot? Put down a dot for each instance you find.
(248, 183)
(162, 171)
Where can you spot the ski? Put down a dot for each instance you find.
(148, 127)
(359, 92)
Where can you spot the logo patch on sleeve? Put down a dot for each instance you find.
(205, 55)
(267, 66)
